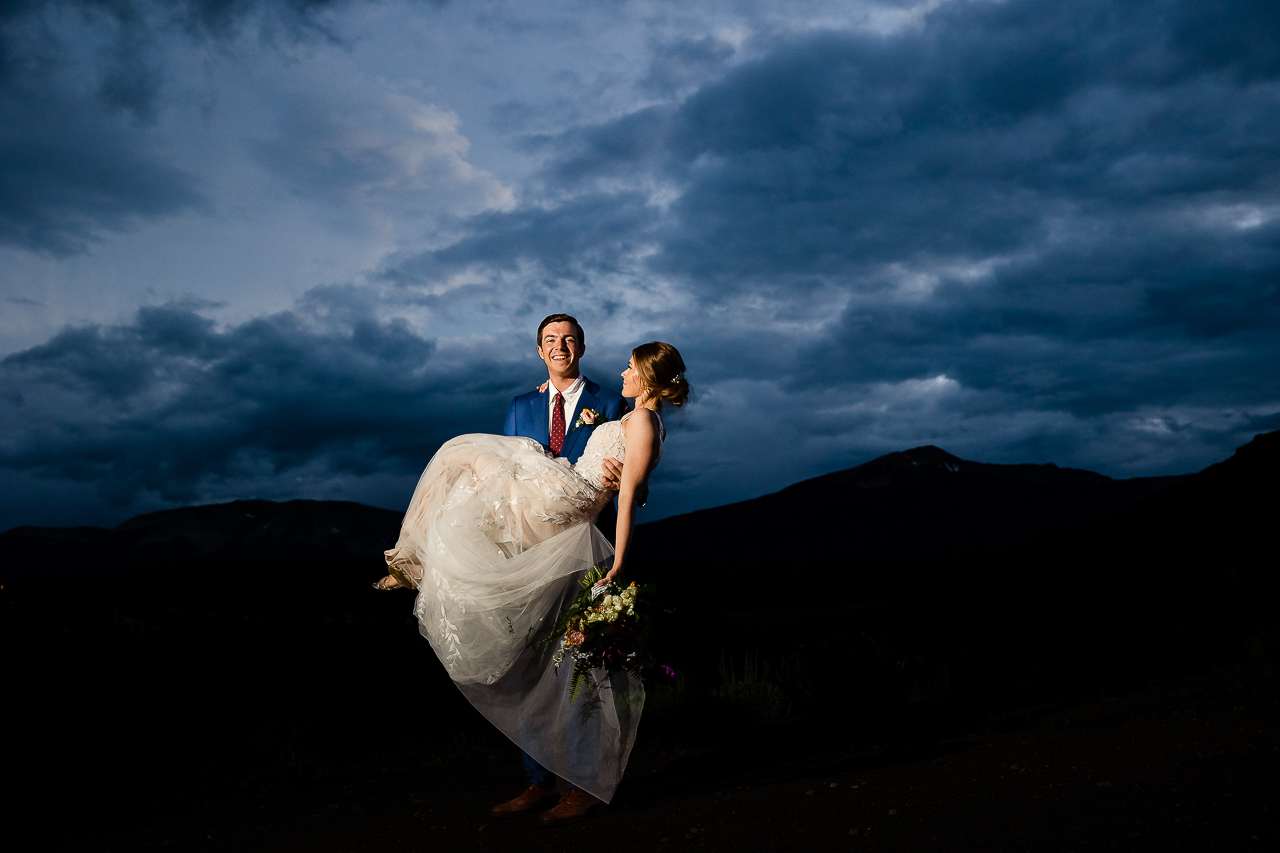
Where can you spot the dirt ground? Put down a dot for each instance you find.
(1193, 765)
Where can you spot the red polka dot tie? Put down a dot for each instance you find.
(557, 425)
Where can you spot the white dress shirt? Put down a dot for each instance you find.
(571, 395)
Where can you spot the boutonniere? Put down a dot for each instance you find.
(590, 417)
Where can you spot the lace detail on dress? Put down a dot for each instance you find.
(609, 440)
(482, 504)
(606, 440)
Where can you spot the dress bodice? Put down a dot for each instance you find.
(609, 439)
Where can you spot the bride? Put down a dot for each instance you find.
(495, 540)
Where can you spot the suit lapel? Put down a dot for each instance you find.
(541, 431)
(576, 438)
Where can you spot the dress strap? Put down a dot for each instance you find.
(662, 427)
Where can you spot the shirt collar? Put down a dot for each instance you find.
(574, 388)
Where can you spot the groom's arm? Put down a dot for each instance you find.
(509, 428)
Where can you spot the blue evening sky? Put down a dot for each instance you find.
(280, 248)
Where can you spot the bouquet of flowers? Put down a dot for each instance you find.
(606, 628)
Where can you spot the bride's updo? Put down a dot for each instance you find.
(662, 370)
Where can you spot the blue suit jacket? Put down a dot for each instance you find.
(528, 416)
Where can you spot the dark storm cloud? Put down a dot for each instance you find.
(1027, 231)
(684, 62)
(76, 104)
(221, 17)
(68, 171)
(169, 404)
(1064, 207)
(587, 235)
(977, 136)
(974, 135)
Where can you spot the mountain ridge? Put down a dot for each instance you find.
(923, 482)
(235, 531)
(902, 508)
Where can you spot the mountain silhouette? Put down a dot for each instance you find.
(917, 506)
(1209, 536)
(235, 531)
(923, 504)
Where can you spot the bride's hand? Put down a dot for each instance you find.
(607, 579)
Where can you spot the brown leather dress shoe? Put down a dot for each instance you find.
(529, 799)
(574, 806)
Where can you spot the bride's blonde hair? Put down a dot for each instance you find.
(661, 370)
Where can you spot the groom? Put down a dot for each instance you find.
(550, 416)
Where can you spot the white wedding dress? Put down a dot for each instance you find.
(497, 535)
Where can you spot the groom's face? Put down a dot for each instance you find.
(560, 349)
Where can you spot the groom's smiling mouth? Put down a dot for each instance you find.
(562, 359)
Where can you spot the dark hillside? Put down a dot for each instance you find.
(1219, 527)
(228, 689)
(1178, 579)
(902, 510)
(1207, 540)
(239, 530)
(1180, 576)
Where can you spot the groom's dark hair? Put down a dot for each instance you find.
(562, 318)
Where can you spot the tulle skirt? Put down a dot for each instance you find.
(497, 536)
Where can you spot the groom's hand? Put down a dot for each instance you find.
(612, 477)
(612, 474)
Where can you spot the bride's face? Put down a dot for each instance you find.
(632, 386)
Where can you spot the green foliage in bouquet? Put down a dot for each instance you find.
(609, 631)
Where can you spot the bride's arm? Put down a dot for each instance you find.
(642, 446)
